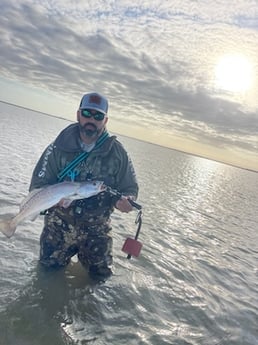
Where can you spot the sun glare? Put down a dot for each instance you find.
(233, 73)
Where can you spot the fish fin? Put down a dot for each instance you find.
(65, 202)
(7, 228)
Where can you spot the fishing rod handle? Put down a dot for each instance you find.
(119, 195)
(134, 204)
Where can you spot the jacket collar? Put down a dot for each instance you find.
(69, 140)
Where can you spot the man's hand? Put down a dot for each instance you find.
(124, 205)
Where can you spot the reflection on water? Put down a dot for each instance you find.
(194, 283)
(47, 306)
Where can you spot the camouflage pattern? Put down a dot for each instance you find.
(84, 227)
(109, 163)
(80, 229)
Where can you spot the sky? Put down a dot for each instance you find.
(181, 74)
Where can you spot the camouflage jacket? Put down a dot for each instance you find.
(109, 163)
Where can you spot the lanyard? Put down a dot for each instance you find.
(70, 170)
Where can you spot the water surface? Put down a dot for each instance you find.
(195, 281)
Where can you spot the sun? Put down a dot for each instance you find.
(233, 73)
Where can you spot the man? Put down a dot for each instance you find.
(84, 151)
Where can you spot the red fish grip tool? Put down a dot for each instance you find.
(131, 246)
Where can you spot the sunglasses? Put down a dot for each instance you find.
(98, 116)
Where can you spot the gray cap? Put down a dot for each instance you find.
(94, 101)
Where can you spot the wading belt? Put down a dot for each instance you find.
(70, 170)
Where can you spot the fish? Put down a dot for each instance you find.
(41, 199)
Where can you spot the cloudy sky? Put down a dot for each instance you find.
(183, 74)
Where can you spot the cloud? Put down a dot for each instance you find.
(154, 60)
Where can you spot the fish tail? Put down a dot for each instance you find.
(7, 228)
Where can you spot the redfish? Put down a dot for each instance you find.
(42, 199)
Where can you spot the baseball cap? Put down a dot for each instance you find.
(94, 101)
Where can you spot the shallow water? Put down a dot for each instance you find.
(195, 281)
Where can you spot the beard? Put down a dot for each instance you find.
(89, 130)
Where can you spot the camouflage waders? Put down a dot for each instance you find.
(80, 229)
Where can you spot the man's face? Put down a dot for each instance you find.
(91, 123)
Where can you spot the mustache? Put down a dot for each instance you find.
(90, 125)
